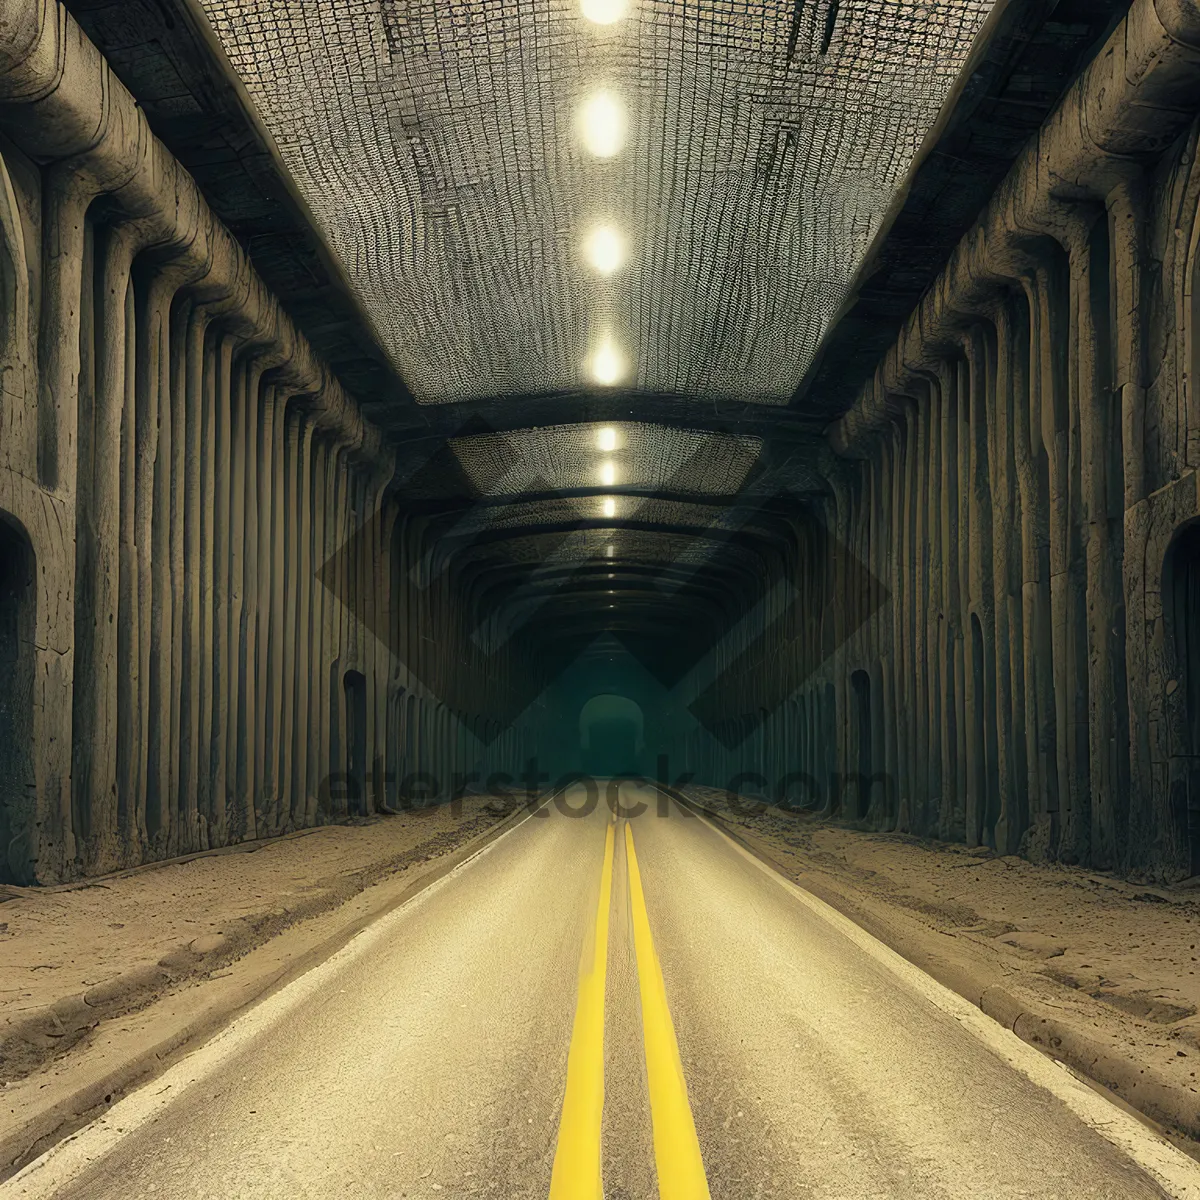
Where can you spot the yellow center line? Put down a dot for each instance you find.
(576, 1174)
(676, 1147)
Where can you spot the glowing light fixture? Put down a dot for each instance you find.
(602, 124)
(604, 249)
(608, 364)
(606, 439)
(610, 507)
(608, 474)
(608, 552)
(604, 12)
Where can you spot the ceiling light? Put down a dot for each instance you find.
(610, 507)
(604, 249)
(608, 474)
(606, 439)
(602, 124)
(608, 364)
(604, 12)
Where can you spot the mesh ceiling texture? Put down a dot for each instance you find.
(439, 145)
(628, 454)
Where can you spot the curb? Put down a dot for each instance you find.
(265, 967)
(1163, 1103)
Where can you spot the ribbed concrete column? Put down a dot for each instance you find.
(1148, 809)
(1048, 309)
(223, 393)
(153, 432)
(1102, 496)
(98, 560)
(934, 614)
(163, 680)
(300, 518)
(972, 698)
(129, 731)
(920, 612)
(1032, 701)
(1077, 819)
(312, 718)
(325, 618)
(895, 503)
(951, 630)
(1010, 766)
(263, 772)
(914, 767)
(274, 796)
(287, 520)
(243, 597)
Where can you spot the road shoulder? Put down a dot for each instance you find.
(109, 981)
(1096, 972)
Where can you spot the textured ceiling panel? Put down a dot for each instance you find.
(566, 510)
(627, 454)
(438, 144)
(624, 547)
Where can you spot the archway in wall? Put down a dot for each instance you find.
(18, 787)
(1182, 596)
(611, 735)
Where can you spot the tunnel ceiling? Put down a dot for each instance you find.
(577, 267)
(458, 154)
(548, 196)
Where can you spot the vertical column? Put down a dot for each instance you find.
(154, 291)
(1102, 491)
(1077, 821)
(287, 520)
(313, 718)
(300, 517)
(934, 612)
(920, 612)
(1011, 783)
(1127, 214)
(99, 547)
(129, 740)
(266, 737)
(243, 585)
(948, 485)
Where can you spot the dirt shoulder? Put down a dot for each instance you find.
(102, 980)
(1100, 973)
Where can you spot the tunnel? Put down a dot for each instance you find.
(611, 735)
(605, 410)
(321, 531)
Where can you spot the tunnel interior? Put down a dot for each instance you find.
(612, 736)
(849, 451)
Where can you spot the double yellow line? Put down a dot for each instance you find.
(577, 1171)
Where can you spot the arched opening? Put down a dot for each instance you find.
(611, 729)
(354, 684)
(18, 788)
(1182, 595)
(860, 687)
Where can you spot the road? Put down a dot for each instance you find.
(630, 997)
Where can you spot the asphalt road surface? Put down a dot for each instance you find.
(599, 1005)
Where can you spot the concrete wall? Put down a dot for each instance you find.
(1015, 476)
(176, 467)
